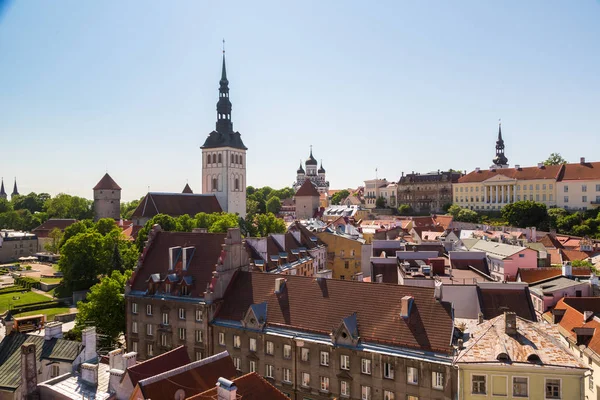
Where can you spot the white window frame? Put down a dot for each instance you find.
(435, 380)
(269, 348)
(222, 338)
(237, 341)
(365, 366)
(305, 354)
(560, 388)
(287, 351)
(269, 371)
(181, 333)
(412, 372)
(365, 392)
(324, 358)
(344, 388)
(388, 370)
(134, 346)
(237, 363)
(252, 366)
(324, 384)
(345, 362)
(526, 387)
(163, 340)
(388, 395)
(198, 355)
(148, 309)
(150, 349)
(252, 344)
(485, 381)
(305, 379)
(199, 316)
(149, 330)
(165, 318)
(182, 313)
(55, 370)
(134, 308)
(199, 336)
(134, 327)
(286, 375)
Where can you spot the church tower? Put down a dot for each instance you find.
(107, 199)
(3, 194)
(224, 157)
(500, 161)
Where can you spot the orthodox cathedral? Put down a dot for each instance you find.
(317, 177)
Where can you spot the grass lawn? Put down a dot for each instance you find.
(49, 312)
(23, 298)
(51, 280)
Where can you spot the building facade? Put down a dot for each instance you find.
(344, 254)
(15, 244)
(307, 200)
(427, 192)
(224, 157)
(372, 191)
(107, 199)
(579, 186)
(316, 176)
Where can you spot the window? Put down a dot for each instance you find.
(345, 362)
(437, 380)
(324, 384)
(134, 328)
(287, 351)
(521, 255)
(198, 336)
(163, 340)
(597, 188)
(149, 309)
(149, 329)
(134, 346)
(544, 186)
(346, 264)
(198, 355)
(208, 160)
(269, 348)
(537, 197)
(550, 186)
(365, 392)
(287, 375)
(55, 371)
(165, 318)
(182, 313)
(520, 387)
(237, 184)
(184, 290)
(304, 354)
(134, 308)
(531, 197)
(544, 197)
(566, 199)
(214, 184)
(237, 362)
(219, 159)
(221, 338)
(584, 199)
(237, 341)
(149, 350)
(412, 375)
(365, 366)
(269, 371)
(199, 315)
(344, 388)
(388, 370)
(591, 382)
(566, 189)
(305, 379)
(553, 388)
(252, 366)
(584, 188)
(409, 397)
(341, 253)
(181, 333)
(252, 344)
(478, 382)
(325, 358)
(387, 395)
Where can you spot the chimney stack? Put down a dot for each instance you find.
(379, 278)
(437, 291)
(582, 160)
(89, 373)
(279, 285)
(510, 323)
(115, 359)
(53, 330)
(88, 338)
(226, 389)
(480, 318)
(477, 169)
(129, 359)
(517, 167)
(405, 306)
(28, 370)
(567, 269)
(540, 165)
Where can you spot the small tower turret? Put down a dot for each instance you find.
(107, 199)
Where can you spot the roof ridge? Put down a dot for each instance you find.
(183, 368)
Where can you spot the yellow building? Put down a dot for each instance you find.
(509, 357)
(490, 190)
(343, 254)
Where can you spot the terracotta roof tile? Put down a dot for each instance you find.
(581, 172)
(107, 183)
(526, 173)
(176, 204)
(549, 241)
(573, 318)
(377, 307)
(307, 189)
(574, 255)
(159, 364)
(249, 387)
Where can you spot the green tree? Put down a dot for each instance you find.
(116, 261)
(166, 222)
(339, 196)
(127, 208)
(83, 258)
(105, 306)
(268, 223)
(380, 202)
(66, 206)
(5, 205)
(454, 209)
(285, 193)
(223, 222)
(105, 225)
(526, 213)
(555, 159)
(446, 207)
(251, 207)
(72, 230)
(56, 236)
(466, 215)
(582, 263)
(273, 205)
(32, 202)
(405, 209)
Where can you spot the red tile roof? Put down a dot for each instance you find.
(307, 189)
(581, 172)
(573, 318)
(249, 387)
(319, 305)
(574, 255)
(176, 204)
(201, 266)
(159, 364)
(526, 173)
(531, 275)
(494, 302)
(44, 229)
(107, 183)
(549, 241)
(194, 378)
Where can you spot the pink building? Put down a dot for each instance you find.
(504, 260)
(545, 294)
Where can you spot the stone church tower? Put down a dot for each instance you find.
(107, 199)
(224, 157)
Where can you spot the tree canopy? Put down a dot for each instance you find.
(339, 196)
(273, 205)
(526, 213)
(380, 202)
(405, 209)
(555, 159)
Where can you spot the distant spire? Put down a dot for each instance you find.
(224, 69)
(499, 130)
(224, 124)
(500, 160)
(15, 191)
(2, 191)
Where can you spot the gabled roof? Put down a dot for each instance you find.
(377, 307)
(549, 241)
(548, 286)
(52, 350)
(249, 387)
(46, 227)
(187, 189)
(494, 302)
(176, 204)
(159, 364)
(201, 266)
(107, 183)
(526, 173)
(497, 250)
(574, 308)
(194, 378)
(532, 275)
(581, 172)
(307, 189)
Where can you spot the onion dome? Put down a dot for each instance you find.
(311, 160)
(300, 170)
(321, 170)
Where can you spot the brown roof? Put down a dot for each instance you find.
(249, 387)
(159, 364)
(531, 275)
(176, 204)
(44, 229)
(549, 242)
(377, 308)
(187, 189)
(526, 173)
(389, 272)
(494, 302)
(307, 189)
(107, 183)
(308, 239)
(581, 172)
(201, 266)
(194, 378)
(479, 264)
(574, 255)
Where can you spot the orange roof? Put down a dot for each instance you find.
(573, 255)
(532, 275)
(573, 318)
(526, 173)
(581, 172)
(443, 220)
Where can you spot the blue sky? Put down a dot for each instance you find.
(131, 87)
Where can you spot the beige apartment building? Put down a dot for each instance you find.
(579, 186)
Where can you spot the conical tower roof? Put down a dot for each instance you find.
(2, 191)
(107, 183)
(15, 190)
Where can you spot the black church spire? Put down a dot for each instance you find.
(2, 191)
(15, 191)
(500, 159)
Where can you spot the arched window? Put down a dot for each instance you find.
(208, 159)
(214, 184)
(232, 159)
(241, 160)
(237, 184)
(219, 159)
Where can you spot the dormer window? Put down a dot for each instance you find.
(167, 288)
(184, 290)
